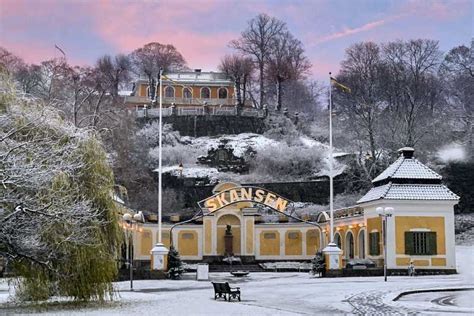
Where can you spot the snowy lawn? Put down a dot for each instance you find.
(282, 294)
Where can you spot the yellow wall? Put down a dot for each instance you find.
(421, 263)
(438, 262)
(374, 223)
(312, 242)
(196, 91)
(207, 236)
(405, 223)
(403, 261)
(145, 241)
(293, 247)
(249, 235)
(188, 246)
(142, 90)
(165, 237)
(269, 247)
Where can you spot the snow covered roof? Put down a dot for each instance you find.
(407, 168)
(393, 191)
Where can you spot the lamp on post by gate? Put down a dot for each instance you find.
(384, 213)
(131, 224)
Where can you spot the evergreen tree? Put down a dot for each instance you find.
(319, 264)
(175, 264)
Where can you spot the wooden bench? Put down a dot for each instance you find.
(221, 290)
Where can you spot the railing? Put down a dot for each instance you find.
(200, 111)
(186, 101)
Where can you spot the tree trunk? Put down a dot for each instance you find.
(279, 94)
(244, 90)
(261, 85)
(239, 95)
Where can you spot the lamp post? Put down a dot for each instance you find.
(384, 213)
(159, 251)
(132, 224)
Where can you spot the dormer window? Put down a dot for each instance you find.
(205, 93)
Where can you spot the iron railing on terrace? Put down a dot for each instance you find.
(201, 111)
(186, 101)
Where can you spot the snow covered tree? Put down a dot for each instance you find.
(175, 266)
(319, 264)
(58, 221)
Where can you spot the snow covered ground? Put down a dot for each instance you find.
(285, 294)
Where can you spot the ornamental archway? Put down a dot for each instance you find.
(243, 194)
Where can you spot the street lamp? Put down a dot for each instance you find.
(131, 224)
(384, 213)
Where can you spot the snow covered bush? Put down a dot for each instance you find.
(175, 265)
(58, 221)
(284, 162)
(318, 264)
(150, 133)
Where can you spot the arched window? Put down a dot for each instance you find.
(205, 93)
(337, 240)
(169, 92)
(222, 93)
(349, 245)
(362, 244)
(187, 94)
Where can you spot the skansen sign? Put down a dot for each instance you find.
(244, 194)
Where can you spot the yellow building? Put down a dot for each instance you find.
(421, 228)
(188, 89)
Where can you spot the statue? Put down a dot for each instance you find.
(228, 230)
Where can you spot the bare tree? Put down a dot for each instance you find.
(256, 41)
(457, 71)
(239, 69)
(114, 71)
(149, 59)
(362, 71)
(286, 61)
(412, 87)
(9, 62)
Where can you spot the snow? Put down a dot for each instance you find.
(241, 143)
(192, 171)
(269, 293)
(452, 152)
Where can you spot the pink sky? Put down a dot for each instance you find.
(202, 29)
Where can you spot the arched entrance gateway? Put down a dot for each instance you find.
(232, 226)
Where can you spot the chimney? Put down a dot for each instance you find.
(407, 152)
(197, 70)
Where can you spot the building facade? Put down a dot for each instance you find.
(188, 89)
(421, 229)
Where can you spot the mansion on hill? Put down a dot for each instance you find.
(421, 228)
(192, 93)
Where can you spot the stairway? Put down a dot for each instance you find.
(235, 267)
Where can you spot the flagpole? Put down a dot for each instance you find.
(331, 190)
(160, 170)
(159, 251)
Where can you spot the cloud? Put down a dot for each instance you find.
(351, 31)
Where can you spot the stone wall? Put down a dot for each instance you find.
(208, 125)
